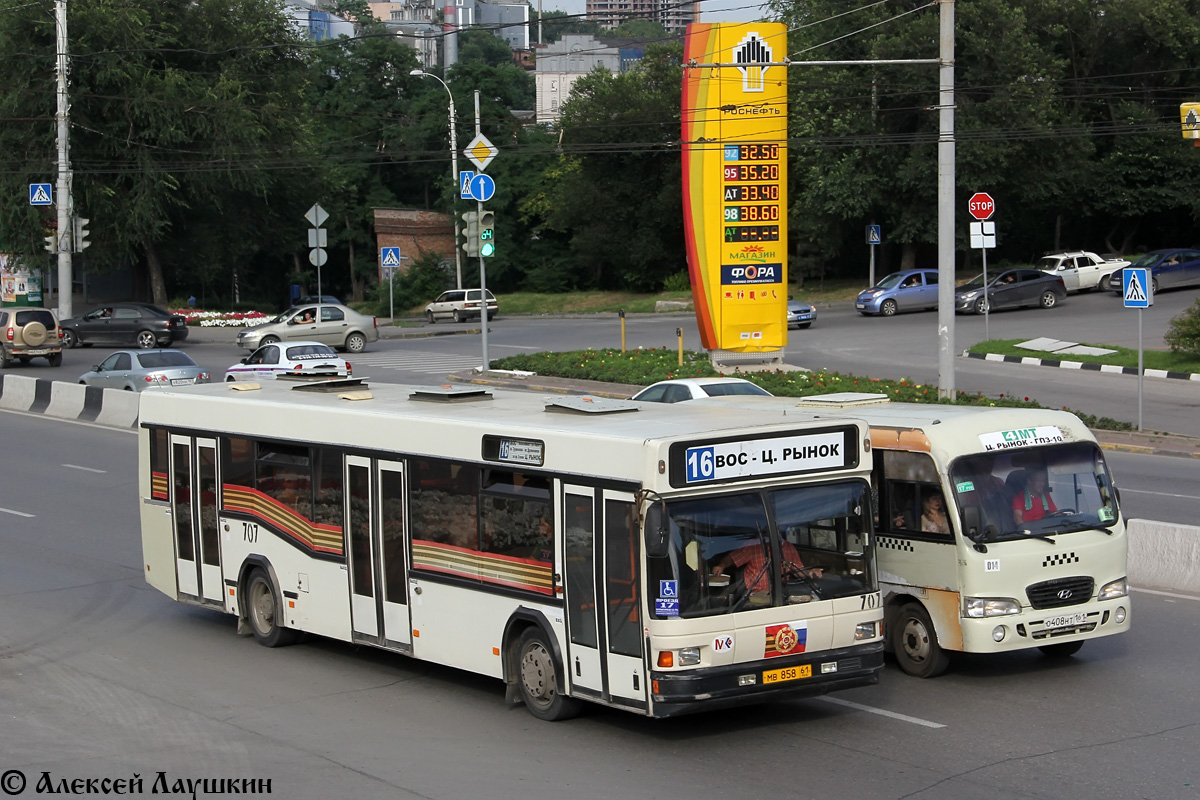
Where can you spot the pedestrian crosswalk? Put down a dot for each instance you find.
(410, 361)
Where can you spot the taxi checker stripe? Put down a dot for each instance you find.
(319, 537)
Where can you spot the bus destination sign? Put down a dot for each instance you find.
(757, 458)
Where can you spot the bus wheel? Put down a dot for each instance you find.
(261, 610)
(1061, 650)
(915, 643)
(538, 678)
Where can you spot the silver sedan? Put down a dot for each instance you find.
(138, 370)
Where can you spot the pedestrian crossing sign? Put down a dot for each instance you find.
(41, 194)
(389, 257)
(1138, 287)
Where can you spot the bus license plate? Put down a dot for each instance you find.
(1066, 621)
(787, 674)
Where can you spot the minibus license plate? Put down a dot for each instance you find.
(1066, 621)
(787, 674)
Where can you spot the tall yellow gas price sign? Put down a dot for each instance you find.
(735, 183)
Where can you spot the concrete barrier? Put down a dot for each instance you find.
(1164, 555)
(63, 400)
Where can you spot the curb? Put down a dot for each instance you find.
(72, 401)
(1086, 365)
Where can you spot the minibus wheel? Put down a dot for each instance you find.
(537, 675)
(915, 643)
(262, 610)
(1061, 650)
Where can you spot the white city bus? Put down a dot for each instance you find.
(655, 559)
(1017, 568)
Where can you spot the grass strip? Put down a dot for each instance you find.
(1123, 357)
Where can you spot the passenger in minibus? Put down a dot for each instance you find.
(933, 512)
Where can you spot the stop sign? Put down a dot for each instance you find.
(981, 205)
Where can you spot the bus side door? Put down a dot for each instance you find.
(604, 625)
(374, 496)
(194, 510)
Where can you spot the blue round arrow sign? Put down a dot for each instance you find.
(482, 187)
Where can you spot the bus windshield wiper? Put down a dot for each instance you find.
(1045, 537)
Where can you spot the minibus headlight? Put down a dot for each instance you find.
(979, 607)
(1114, 589)
(689, 656)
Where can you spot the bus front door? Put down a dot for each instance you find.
(604, 651)
(375, 540)
(194, 510)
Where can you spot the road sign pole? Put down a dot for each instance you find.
(1140, 370)
(987, 302)
(871, 277)
(483, 304)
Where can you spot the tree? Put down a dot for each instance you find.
(557, 24)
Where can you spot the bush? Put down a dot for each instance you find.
(679, 282)
(1183, 334)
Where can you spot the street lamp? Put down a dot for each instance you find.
(453, 169)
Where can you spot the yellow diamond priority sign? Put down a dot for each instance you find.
(481, 152)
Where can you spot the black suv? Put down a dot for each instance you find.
(27, 333)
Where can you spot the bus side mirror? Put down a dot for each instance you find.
(655, 532)
(971, 523)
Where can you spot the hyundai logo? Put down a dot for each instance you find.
(1064, 594)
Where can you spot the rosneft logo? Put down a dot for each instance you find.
(750, 53)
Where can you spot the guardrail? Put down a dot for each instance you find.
(1165, 555)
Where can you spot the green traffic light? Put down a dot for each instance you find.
(487, 249)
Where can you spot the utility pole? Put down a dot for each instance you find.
(945, 189)
(66, 203)
(483, 315)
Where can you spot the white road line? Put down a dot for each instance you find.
(1166, 594)
(16, 513)
(85, 469)
(871, 710)
(1159, 494)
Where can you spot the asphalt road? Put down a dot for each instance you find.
(103, 677)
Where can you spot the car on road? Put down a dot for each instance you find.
(681, 390)
(1168, 269)
(800, 314)
(1010, 288)
(460, 305)
(28, 333)
(338, 326)
(272, 360)
(139, 370)
(1081, 270)
(143, 325)
(906, 290)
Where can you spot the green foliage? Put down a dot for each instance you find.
(556, 24)
(640, 29)
(424, 280)
(679, 282)
(483, 46)
(1183, 333)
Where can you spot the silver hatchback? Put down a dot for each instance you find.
(335, 325)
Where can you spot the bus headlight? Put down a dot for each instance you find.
(1114, 589)
(980, 607)
(689, 656)
(866, 630)
(998, 633)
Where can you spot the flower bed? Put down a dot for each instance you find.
(220, 319)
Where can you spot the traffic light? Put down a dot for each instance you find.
(52, 242)
(471, 245)
(487, 233)
(81, 234)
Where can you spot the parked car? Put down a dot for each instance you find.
(1011, 288)
(140, 324)
(1081, 270)
(800, 315)
(679, 390)
(139, 370)
(907, 290)
(27, 333)
(334, 325)
(460, 305)
(272, 360)
(1168, 269)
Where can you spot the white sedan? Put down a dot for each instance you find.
(304, 358)
(679, 390)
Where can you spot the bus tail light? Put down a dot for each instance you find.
(666, 658)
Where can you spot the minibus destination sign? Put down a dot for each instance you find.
(1021, 437)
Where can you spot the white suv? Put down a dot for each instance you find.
(460, 305)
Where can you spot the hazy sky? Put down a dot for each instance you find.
(710, 10)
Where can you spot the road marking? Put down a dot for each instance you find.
(1166, 594)
(518, 347)
(16, 513)
(1159, 494)
(85, 469)
(837, 701)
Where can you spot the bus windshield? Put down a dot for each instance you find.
(1044, 491)
(734, 552)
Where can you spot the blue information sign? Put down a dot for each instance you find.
(483, 187)
(1136, 285)
(41, 194)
